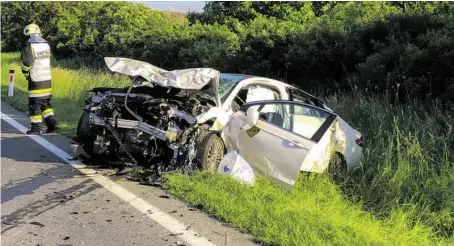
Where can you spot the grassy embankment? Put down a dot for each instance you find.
(403, 193)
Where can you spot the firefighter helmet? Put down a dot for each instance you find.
(32, 29)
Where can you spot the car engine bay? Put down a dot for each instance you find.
(154, 128)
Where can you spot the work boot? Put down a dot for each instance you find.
(51, 124)
(35, 130)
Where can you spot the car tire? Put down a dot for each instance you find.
(84, 135)
(210, 153)
(83, 126)
(337, 168)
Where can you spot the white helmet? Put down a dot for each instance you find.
(32, 29)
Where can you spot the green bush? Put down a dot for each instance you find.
(401, 48)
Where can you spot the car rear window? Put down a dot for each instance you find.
(300, 96)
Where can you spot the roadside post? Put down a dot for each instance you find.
(11, 83)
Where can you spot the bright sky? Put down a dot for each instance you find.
(175, 6)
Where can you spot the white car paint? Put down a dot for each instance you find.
(280, 154)
(273, 150)
(283, 162)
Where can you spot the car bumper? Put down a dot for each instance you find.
(355, 158)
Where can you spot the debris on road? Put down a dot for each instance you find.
(195, 207)
(66, 238)
(164, 196)
(180, 243)
(37, 224)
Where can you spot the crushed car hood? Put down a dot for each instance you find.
(203, 79)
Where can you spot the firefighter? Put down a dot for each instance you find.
(35, 59)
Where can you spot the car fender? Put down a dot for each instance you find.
(219, 114)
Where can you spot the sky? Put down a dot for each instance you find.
(175, 6)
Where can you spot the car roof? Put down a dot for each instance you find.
(246, 76)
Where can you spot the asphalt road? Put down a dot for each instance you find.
(46, 201)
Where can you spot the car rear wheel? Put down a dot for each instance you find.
(210, 153)
(337, 168)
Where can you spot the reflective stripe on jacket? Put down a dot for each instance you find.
(40, 70)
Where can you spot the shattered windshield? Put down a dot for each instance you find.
(228, 82)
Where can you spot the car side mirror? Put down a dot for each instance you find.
(252, 116)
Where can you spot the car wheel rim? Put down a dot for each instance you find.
(214, 156)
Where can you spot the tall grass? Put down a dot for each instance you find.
(402, 194)
(409, 160)
(314, 213)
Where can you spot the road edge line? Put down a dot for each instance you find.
(152, 212)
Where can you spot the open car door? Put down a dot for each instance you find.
(275, 137)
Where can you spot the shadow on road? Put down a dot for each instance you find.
(49, 202)
(36, 168)
(18, 148)
(27, 186)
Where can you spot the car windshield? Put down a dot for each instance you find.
(227, 83)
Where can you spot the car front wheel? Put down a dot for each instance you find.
(210, 153)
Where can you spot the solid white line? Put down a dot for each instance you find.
(165, 220)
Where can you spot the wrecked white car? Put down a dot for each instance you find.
(185, 119)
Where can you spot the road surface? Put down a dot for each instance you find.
(48, 199)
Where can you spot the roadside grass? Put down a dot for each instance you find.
(409, 159)
(402, 194)
(69, 89)
(314, 213)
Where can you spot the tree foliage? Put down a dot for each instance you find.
(394, 47)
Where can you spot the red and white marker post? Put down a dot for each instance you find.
(11, 83)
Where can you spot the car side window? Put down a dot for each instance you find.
(273, 113)
(260, 93)
(298, 96)
(254, 93)
(239, 100)
(305, 120)
(300, 119)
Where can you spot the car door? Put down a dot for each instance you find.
(282, 138)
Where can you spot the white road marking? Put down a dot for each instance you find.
(144, 207)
